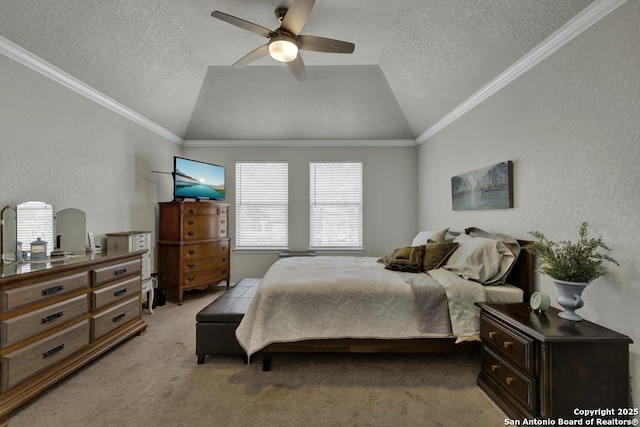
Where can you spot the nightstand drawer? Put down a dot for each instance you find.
(517, 384)
(508, 343)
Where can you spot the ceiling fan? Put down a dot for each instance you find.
(285, 42)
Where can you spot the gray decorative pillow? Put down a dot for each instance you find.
(407, 259)
(480, 259)
(436, 254)
(434, 235)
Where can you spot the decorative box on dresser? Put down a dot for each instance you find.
(131, 241)
(537, 365)
(58, 316)
(193, 246)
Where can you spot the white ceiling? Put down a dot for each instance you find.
(169, 60)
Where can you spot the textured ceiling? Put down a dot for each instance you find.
(415, 60)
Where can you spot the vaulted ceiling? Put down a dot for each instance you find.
(170, 61)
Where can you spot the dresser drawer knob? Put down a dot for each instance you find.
(190, 279)
(222, 222)
(190, 222)
(509, 380)
(492, 334)
(119, 317)
(507, 344)
(224, 248)
(191, 265)
(191, 252)
(191, 211)
(190, 233)
(120, 292)
(119, 272)
(494, 368)
(222, 231)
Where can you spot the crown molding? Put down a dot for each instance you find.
(28, 59)
(585, 19)
(302, 143)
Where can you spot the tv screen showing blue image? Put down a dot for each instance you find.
(197, 180)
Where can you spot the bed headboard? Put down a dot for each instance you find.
(523, 273)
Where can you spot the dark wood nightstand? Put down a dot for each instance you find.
(541, 366)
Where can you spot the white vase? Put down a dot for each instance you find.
(570, 298)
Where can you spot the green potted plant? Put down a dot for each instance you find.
(571, 266)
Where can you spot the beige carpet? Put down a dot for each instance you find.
(154, 380)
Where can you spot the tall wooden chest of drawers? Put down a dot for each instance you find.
(537, 365)
(57, 316)
(193, 246)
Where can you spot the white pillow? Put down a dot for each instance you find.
(480, 259)
(424, 236)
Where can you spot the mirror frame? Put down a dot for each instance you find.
(8, 248)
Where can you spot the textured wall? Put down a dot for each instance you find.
(390, 204)
(441, 51)
(59, 147)
(571, 127)
(134, 52)
(335, 102)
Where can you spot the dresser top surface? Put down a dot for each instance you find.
(20, 269)
(194, 203)
(548, 327)
(127, 233)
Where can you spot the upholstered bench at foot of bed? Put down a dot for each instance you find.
(216, 324)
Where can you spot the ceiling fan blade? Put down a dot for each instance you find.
(297, 16)
(297, 68)
(321, 44)
(254, 55)
(245, 25)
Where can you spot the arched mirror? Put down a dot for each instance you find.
(8, 240)
(71, 229)
(36, 220)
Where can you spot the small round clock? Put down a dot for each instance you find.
(539, 301)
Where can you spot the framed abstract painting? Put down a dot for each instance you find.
(486, 188)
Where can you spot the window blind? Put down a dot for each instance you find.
(262, 204)
(36, 220)
(335, 196)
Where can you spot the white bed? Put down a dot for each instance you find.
(326, 300)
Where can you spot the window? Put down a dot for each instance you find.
(335, 199)
(35, 219)
(262, 205)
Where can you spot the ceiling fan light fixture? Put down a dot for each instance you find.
(283, 49)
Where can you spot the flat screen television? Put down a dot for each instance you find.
(198, 180)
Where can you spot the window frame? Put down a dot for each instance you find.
(333, 247)
(238, 202)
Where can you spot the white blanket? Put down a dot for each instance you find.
(348, 297)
